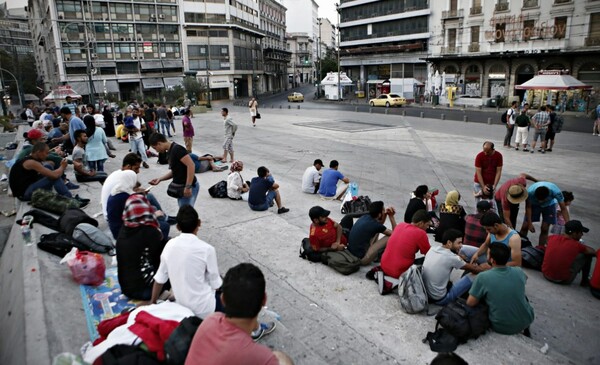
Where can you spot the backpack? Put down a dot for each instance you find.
(71, 218)
(532, 257)
(128, 355)
(178, 344)
(441, 340)
(503, 117)
(341, 261)
(218, 190)
(307, 252)
(23, 114)
(360, 205)
(58, 244)
(42, 218)
(462, 321)
(163, 158)
(558, 123)
(93, 239)
(413, 296)
(52, 202)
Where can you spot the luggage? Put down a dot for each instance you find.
(92, 239)
(532, 257)
(52, 202)
(462, 321)
(341, 261)
(413, 296)
(307, 252)
(178, 344)
(218, 190)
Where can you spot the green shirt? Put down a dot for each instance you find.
(503, 289)
(522, 120)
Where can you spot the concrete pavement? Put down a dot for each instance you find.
(328, 318)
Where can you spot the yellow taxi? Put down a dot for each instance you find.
(296, 97)
(388, 100)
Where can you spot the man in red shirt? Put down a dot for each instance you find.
(565, 256)
(325, 233)
(488, 170)
(595, 280)
(512, 193)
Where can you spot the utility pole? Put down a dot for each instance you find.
(339, 93)
(319, 60)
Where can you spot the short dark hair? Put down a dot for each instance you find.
(333, 164)
(448, 359)
(420, 216)
(65, 110)
(451, 235)
(318, 161)
(500, 253)
(541, 193)
(131, 159)
(187, 219)
(543, 108)
(186, 112)
(39, 147)
(514, 102)
(156, 138)
(262, 171)
(376, 208)
(243, 291)
(78, 133)
(489, 219)
(225, 110)
(420, 191)
(568, 196)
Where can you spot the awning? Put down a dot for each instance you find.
(104, 64)
(100, 86)
(153, 83)
(375, 81)
(553, 82)
(173, 64)
(219, 82)
(171, 82)
(61, 92)
(75, 64)
(151, 65)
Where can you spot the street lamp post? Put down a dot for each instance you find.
(319, 60)
(337, 8)
(16, 82)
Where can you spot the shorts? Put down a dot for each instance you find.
(252, 114)
(228, 144)
(541, 133)
(548, 214)
(267, 204)
(550, 134)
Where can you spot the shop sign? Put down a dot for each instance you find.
(513, 28)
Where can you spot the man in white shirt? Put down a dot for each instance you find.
(511, 115)
(312, 177)
(136, 141)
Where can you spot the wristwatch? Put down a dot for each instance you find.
(188, 186)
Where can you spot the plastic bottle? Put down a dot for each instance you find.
(26, 233)
(267, 315)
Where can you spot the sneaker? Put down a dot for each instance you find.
(265, 329)
(525, 150)
(549, 150)
(71, 186)
(532, 151)
(384, 286)
(282, 210)
(145, 165)
(371, 273)
(516, 148)
(539, 150)
(171, 220)
(542, 151)
(81, 199)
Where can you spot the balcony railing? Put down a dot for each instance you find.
(451, 50)
(592, 41)
(530, 4)
(476, 10)
(501, 7)
(474, 47)
(562, 1)
(456, 13)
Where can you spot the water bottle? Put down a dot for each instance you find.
(26, 233)
(267, 315)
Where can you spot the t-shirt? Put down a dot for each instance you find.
(595, 280)
(401, 248)
(488, 164)
(161, 113)
(179, 169)
(475, 234)
(188, 128)
(541, 120)
(555, 196)
(511, 113)
(259, 187)
(310, 178)
(55, 133)
(522, 120)
(75, 124)
(149, 114)
(218, 342)
(79, 154)
(361, 234)
(437, 267)
(20, 178)
(414, 205)
(561, 252)
(190, 265)
(501, 193)
(324, 236)
(329, 182)
(137, 123)
(503, 289)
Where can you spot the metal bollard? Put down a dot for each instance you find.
(386, 111)
(370, 110)
(298, 106)
(465, 118)
(279, 106)
(271, 106)
(443, 116)
(356, 109)
(404, 113)
(489, 120)
(422, 115)
(289, 107)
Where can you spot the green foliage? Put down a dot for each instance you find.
(328, 64)
(174, 93)
(191, 85)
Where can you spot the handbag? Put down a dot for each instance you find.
(175, 190)
(257, 114)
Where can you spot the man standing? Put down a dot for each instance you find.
(541, 201)
(312, 177)
(188, 130)
(80, 163)
(566, 256)
(230, 129)
(325, 233)
(503, 289)
(511, 113)
(541, 121)
(263, 190)
(69, 104)
(497, 232)
(522, 122)
(475, 234)
(363, 240)
(488, 169)
(512, 193)
(596, 129)
(181, 170)
(328, 186)
(550, 133)
(135, 127)
(163, 120)
(29, 113)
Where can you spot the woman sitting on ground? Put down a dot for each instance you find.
(236, 187)
(417, 202)
(139, 246)
(452, 215)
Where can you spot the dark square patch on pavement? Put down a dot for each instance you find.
(351, 126)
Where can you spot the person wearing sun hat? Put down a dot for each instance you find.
(512, 193)
(566, 256)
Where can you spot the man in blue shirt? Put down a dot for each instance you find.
(329, 181)
(74, 125)
(363, 240)
(542, 199)
(263, 190)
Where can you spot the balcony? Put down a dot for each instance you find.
(592, 41)
(530, 4)
(501, 7)
(474, 47)
(562, 1)
(450, 50)
(450, 14)
(476, 10)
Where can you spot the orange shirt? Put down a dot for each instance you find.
(324, 236)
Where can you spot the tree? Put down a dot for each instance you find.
(328, 64)
(192, 86)
(173, 93)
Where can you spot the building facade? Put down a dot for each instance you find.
(131, 48)
(327, 35)
(487, 47)
(276, 56)
(301, 68)
(383, 39)
(302, 18)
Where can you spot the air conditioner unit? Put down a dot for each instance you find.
(133, 57)
(88, 16)
(129, 16)
(67, 58)
(117, 55)
(141, 57)
(122, 39)
(162, 39)
(137, 17)
(175, 36)
(61, 15)
(78, 15)
(153, 16)
(161, 16)
(93, 55)
(163, 55)
(153, 36)
(107, 36)
(155, 55)
(104, 16)
(140, 39)
(177, 55)
(129, 39)
(174, 18)
(64, 36)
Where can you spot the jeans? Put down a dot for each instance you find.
(165, 127)
(192, 199)
(509, 133)
(469, 251)
(96, 165)
(137, 146)
(458, 289)
(99, 176)
(264, 206)
(47, 184)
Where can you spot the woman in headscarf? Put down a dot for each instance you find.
(452, 215)
(236, 186)
(117, 198)
(139, 245)
(95, 149)
(109, 122)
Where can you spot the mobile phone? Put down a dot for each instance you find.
(149, 188)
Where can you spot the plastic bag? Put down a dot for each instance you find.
(87, 267)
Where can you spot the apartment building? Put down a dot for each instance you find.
(302, 18)
(275, 54)
(301, 69)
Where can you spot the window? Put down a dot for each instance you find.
(595, 26)
(451, 38)
(500, 28)
(528, 29)
(560, 23)
(475, 34)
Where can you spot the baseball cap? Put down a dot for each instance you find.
(34, 134)
(516, 194)
(484, 206)
(575, 226)
(317, 212)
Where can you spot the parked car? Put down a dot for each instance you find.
(388, 100)
(296, 97)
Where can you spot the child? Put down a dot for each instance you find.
(559, 227)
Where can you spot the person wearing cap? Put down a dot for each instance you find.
(31, 138)
(311, 178)
(488, 168)
(475, 234)
(541, 201)
(566, 256)
(497, 232)
(325, 233)
(512, 193)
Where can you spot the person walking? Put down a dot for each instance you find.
(188, 130)
(230, 129)
(253, 107)
(511, 114)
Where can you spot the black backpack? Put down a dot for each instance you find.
(178, 344)
(462, 321)
(218, 190)
(357, 206)
(532, 257)
(128, 355)
(23, 114)
(307, 252)
(71, 218)
(58, 244)
(503, 117)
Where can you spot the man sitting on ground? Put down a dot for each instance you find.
(437, 268)
(80, 165)
(566, 256)
(475, 234)
(312, 178)
(224, 338)
(328, 187)
(325, 233)
(263, 190)
(497, 232)
(363, 240)
(541, 201)
(503, 290)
